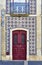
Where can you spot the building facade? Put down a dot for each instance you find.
(21, 36)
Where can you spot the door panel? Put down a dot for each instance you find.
(19, 38)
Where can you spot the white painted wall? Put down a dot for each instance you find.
(39, 27)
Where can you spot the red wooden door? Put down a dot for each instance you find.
(19, 45)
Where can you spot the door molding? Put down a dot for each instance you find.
(27, 55)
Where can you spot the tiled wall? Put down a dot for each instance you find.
(23, 22)
(12, 63)
(31, 8)
(21, 62)
(19, 7)
(7, 6)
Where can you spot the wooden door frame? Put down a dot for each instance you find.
(27, 55)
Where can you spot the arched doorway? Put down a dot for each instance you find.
(12, 44)
(19, 44)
